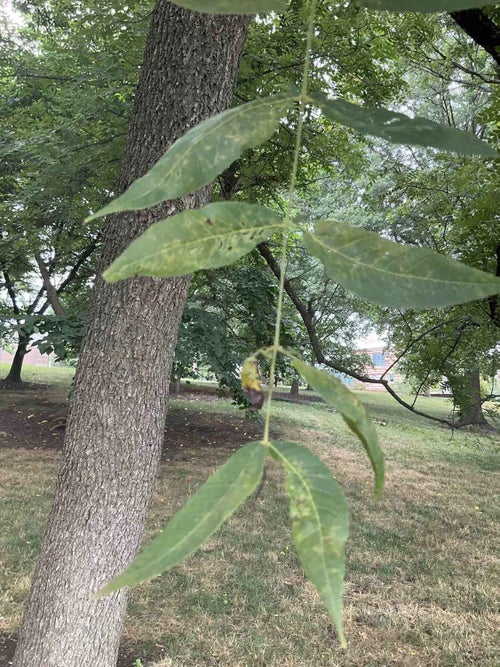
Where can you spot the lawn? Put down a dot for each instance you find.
(421, 576)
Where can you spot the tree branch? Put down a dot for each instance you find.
(266, 253)
(481, 28)
(78, 264)
(50, 290)
(9, 286)
(413, 342)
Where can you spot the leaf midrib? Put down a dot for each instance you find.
(303, 482)
(203, 520)
(190, 244)
(192, 146)
(408, 276)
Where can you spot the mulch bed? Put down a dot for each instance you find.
(185, 430)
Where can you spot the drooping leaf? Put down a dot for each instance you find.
(423, 6)
(250, 381)
(320, 523)
(201, 516)
(392, 274)
(400, 129)
(205, 238)
(232, 7)
(202, 154)
(336, 394)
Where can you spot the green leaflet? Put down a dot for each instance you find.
(231, 7)
(202, 154)
(320, 523)
(422, 6)
(333, 391)
(200, 517)
(205, 238)
(400, 129)
(392, 274)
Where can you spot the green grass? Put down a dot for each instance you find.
(421, 563)
(57, 376)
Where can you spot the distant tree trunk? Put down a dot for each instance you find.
(117, 415)
(467, 395)
(294, 389)
(14, 375)
(175, 385)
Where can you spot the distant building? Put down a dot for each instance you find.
(382, 361)
(33, 357)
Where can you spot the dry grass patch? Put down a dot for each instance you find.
(420, 586)
(26, 480)
(419, 576)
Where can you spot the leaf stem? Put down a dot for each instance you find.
(288, 216)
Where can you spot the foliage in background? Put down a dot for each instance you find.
(66, 133)
(67, 80)
(372, 267)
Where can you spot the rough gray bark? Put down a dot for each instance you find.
(468, 398)
(117, 415)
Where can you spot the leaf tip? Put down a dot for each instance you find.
(104, 591)
(111, 275)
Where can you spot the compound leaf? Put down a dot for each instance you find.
(205, 238)
(320, 523)
(392, 274)
(336, 394)
(400, 129)
(200, 517)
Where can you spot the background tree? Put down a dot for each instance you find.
(67, 79)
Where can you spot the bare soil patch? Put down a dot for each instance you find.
(186, 430)
(29, 429)
(22, 386)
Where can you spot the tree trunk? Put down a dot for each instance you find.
(294, 389)
(468, 398)
(14, 376)
(175, 385)
(117, 415)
